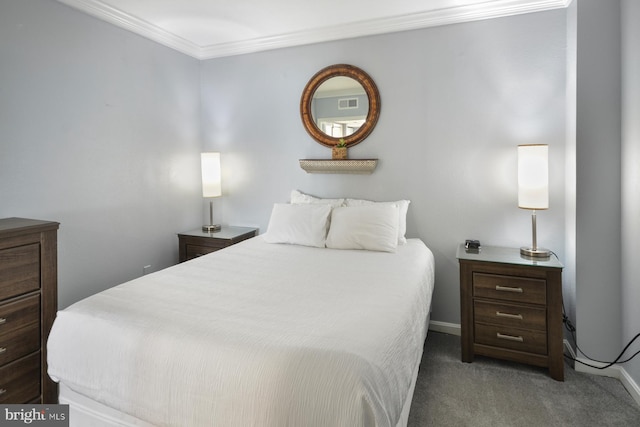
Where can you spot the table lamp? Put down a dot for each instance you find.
(533, 189)
(211, 185)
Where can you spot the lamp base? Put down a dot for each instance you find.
(535, 252)
(211, 228)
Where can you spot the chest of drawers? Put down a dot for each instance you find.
(28, 303)
(511, 308)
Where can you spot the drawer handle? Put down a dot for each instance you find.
(2, 350)
(509, 337)
(2, 391)
(2, 320)
(509, 315)
(508, 289)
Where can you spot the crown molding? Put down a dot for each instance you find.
(486, 10)
(114, 16)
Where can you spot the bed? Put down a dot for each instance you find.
(257, 334)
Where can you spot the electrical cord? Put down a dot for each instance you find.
(572, 330)
(607, 364)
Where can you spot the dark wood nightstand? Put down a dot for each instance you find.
(511, 307)
(196, 243)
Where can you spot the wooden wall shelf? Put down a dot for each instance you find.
(345, 166)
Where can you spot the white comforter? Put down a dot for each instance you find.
(257, 334)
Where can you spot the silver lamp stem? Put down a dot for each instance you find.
(534, 245)
(211, 220)
(211, 228)
(534, 251)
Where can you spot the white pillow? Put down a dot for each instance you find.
(298, 224)
(373, 227)
(298, 197)
(403, 205)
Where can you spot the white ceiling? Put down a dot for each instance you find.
(214, 28)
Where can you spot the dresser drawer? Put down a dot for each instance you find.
(516, 339)
(20, 380)
(19, 313)
(19, 270)
(511, 315)
(19, 342)
(510, 288)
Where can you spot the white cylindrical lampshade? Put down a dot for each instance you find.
(211, 175)
(533, 176)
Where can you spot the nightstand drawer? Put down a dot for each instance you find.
(18, 343)
(512, 338)
(19, 270)
(194, 251)
(19, 313)
(511, 315)
(510, 288)
(20, 380)
(195, 243)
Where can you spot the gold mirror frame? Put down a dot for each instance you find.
(370, 89)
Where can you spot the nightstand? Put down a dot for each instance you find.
(511, 307)
(196, 243)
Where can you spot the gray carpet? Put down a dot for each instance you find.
(496, 393)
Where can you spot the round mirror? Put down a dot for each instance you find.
(340, 102)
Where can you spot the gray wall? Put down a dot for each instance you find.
(99, 131)
(631, 177)
(570, 167)
(455, 102)
(598, 251)
(608, 155)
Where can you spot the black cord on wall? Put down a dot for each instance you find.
(572, 330)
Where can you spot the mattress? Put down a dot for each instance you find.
(255, 334)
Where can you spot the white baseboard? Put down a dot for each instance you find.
(444, 327)
(615, 371)
(630, 385)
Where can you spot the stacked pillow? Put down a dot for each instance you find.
(370, 227)
(301, 198)
(403, 208)
(301, 224)
(339, 223)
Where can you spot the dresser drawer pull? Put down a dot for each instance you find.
(2, 391)
(509, 315)
(2, 320)
(2, 350)
(508, 289)
(509, 337)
